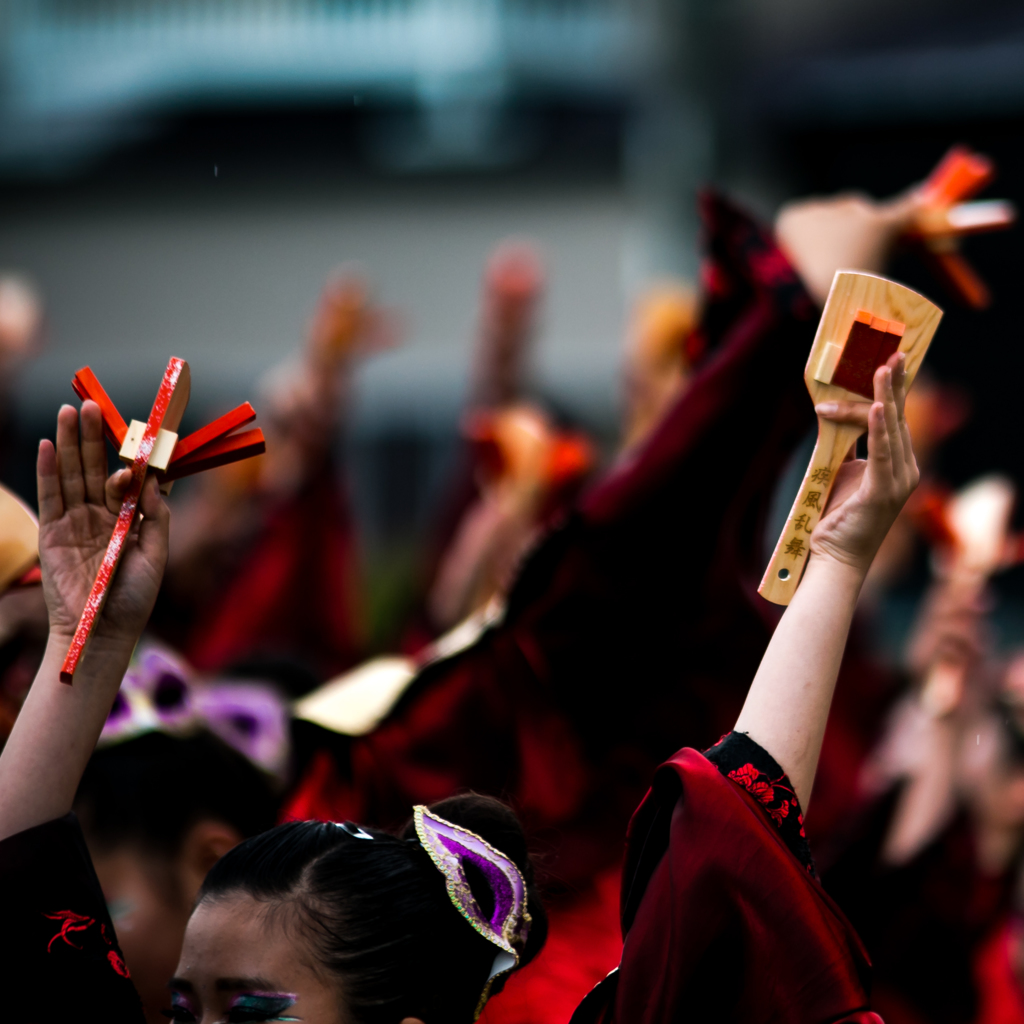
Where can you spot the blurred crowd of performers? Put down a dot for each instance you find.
(575, 610)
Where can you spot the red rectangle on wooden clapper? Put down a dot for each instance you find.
(866, 349)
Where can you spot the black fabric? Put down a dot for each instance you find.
(749, 765)
(59, 958)
(597, 1003)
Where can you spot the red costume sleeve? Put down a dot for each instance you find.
(721, 921)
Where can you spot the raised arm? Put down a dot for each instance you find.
(788, 702)
(58, 726)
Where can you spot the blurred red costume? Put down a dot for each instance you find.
(291, 594)
(925, 921)
(1000, 995)
(633, 625)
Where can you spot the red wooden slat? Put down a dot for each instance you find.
(962, 279)
(87, 386)
(186, 446)
(233, 448)
(101, 585)
(957, 176)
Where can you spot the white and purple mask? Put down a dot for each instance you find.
(450, 847)
(161, 693)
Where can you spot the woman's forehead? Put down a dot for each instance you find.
(232, 937)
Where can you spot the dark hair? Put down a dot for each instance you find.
(154, 788)
(377, 913)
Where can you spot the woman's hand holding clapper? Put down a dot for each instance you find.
(788, 702)
(58, 726)
(78, 507)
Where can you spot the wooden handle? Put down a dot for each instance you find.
(794, 547)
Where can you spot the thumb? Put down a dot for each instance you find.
(156, 520)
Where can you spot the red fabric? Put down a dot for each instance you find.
(584, 943)
(293, 593)
(1000, 996)
(722, 922)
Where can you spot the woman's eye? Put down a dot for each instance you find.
(179, 1013)
(251, 1015)
(255, 1009)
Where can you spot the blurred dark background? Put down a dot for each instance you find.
(180, 176)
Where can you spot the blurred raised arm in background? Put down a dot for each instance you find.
(518, 468)
(263, 559)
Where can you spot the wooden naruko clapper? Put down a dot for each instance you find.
(865, 320)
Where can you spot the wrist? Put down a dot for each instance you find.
(848, 573)
(100, 647)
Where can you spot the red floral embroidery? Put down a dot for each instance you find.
(750, 779)
(745, 775)
(117, 963)
(763, 789)
(70, 922)
(767, 783)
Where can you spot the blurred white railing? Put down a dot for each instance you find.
(69, 56)
(73, 73)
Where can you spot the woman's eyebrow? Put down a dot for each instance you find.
(181, 984)
(249, 984)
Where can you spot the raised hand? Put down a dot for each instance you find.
(845, 232)
(869, 493)
(56, 731)
(78, 507)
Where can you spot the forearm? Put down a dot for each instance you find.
(56, 732)
(788, 702)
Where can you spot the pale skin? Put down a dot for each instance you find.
(236, 948)
(823, 235)
(788, 702)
